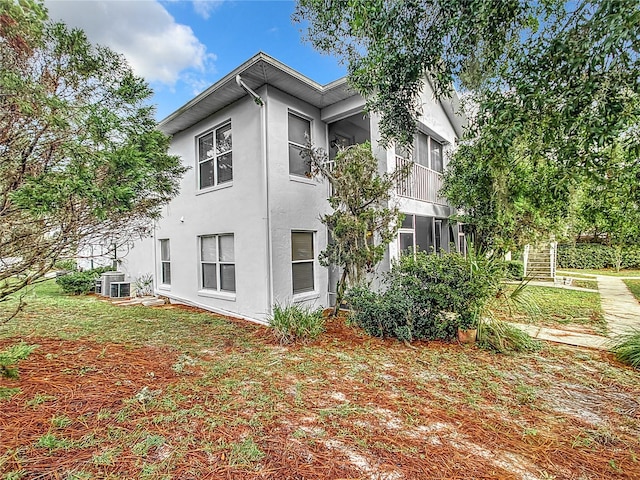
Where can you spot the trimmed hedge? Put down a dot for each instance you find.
(79, 283)
(596, 256)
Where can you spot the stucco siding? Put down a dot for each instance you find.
(296, 202)
(234, 208)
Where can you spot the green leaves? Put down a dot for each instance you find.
(81, 158)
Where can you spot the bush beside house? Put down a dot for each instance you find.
(80, 283)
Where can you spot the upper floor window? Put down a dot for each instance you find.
(215, 164)
(217, 263)
(299, 136)
(426, 152)
(165, 262)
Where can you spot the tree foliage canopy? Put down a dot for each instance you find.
(553, 86)
(80, 156)
(362, 222)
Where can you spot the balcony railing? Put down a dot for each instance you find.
(421, 184)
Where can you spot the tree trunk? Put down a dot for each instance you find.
(340, 292)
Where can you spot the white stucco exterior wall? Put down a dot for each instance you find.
(236, 207)
(296, 203)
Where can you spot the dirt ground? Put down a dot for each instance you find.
(348, 407)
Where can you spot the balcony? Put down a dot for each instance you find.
(421, 184)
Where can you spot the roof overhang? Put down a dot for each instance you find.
(259, 70)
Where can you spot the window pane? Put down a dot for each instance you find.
(165, 252)
(301, 246)
(302, 277)
(436, 156)
(206, 174)
(208, 249)
(297, 164)
(228, 278)
(406, 241)
(424, 233)
(226, 248)
(223, 139)
(299, 129)
(166, 273)
(225, 168)
(209, 276)
(205, 147)
(408, 221)
(422, 142)
(438, 235)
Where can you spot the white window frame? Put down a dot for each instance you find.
(296, 176)
(408, 231)
(416, 152)
(214, 158)
(165, 261)
(311, 260)
(218, 265)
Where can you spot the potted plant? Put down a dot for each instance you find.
(468, 327)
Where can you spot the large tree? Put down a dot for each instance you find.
(553, 87)
(81, 159)
(363, 220)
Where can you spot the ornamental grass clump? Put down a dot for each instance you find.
(296, 323)
(627, 348)
(501, 337)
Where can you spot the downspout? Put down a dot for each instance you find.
(265, 163)
(265, 155)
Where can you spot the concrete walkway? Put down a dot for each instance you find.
(621, 312)
(621, 309)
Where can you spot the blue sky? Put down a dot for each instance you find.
(181, 47)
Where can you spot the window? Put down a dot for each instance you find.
(420, 233)
(428, 152)
(299, 136)
(217, 263)
(165, 262)
(436, 156)
(215, 165)
(302, 259)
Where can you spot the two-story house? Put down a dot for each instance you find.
(244, 233)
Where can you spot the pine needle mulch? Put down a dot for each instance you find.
(344, 407)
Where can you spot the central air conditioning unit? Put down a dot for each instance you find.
(120, 289)
(106, 279)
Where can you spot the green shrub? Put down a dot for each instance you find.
(627, 349)
(514, 269)
(79, 283)
(296, 323)
(68, 265)
(427, 296)
(597, 256)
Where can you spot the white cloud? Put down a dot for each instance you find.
(205, 7)
(158, 48)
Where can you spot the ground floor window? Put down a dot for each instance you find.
(302, 260)
(427, 234)
(217, 263)
(165, 262)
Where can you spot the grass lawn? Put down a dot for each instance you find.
(605, 271)
(634, 287)
(170, 392)
(558, 308)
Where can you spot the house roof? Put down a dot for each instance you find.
(259, 70)
(263, 69)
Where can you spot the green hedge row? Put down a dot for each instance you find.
(80, 283)
(594, 255)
